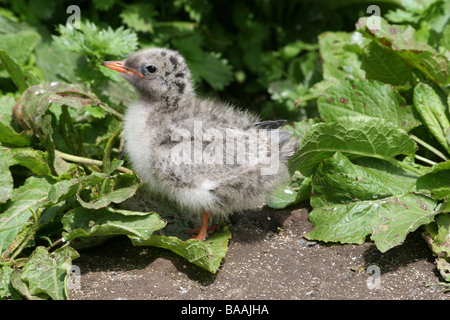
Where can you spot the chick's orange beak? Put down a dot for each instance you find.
(119, 66)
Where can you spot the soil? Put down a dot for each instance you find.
(268, 258)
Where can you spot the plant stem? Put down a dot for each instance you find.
(424, 160)
(431, 148)
(405, 166)
(28, 237)
(88, 161)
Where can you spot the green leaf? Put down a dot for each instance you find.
(400, 39)
(353, 136)
(6, 179)
(432, 111)
(437, 235)
(95, 43)
(299, 189)
(139, 16)
(124, 187)
(436, 181)
(8, 133)
(387, 220)
(21, 78)
(35, 160)
(48, 273)
(19, 45)
(383, 64)
(82, 222)
(206, 254)
(337, 181)
(369, 98)
(341, 59)
(5, 283)
(24, 199)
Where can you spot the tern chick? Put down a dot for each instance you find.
(210, 158)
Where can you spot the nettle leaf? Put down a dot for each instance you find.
(93, 42)
(400, 39)
(387, 220)
(353, 136)
(432, 111)
(369, 98)
(436, 181)
(337, 181)
(139, 17)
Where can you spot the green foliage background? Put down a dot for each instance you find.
(370, 109)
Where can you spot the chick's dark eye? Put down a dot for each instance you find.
(151, 69)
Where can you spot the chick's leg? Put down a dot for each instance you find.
(204, 230)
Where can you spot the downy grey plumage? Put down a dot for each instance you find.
(169, 120)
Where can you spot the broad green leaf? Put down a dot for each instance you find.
(206, 254)
(35, 160)
(124, 186)
(24, 199)
(369, 98)
(82, 222)
(437, 235)
(436, 181)
(19, 284)
(299, 189)
(48, 273)
(6, 179)
(21, 78)
(20, 44)
(400, 39)
(5, 283)
(341, 56)
(353, 136)
(387, 221)
(8, 133)
(432, 111)
(383, 64)
(337, 181)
